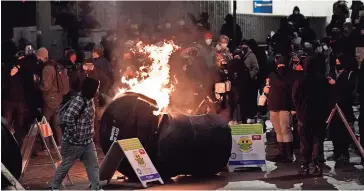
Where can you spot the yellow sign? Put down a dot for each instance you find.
(245, 144)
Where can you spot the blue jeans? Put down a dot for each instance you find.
(88, 156)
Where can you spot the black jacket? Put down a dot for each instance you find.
(310, 95)
(280, 93)
(342, 93)
(14, 89)
(78, 77)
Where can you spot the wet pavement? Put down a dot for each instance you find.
(278, 176)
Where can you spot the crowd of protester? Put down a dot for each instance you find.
(300, 77)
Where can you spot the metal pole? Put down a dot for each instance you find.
(350, 130)
(234, 25)
(13, 181)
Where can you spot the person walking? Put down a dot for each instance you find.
(77, 140)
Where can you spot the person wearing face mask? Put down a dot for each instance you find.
(280, 107)
(335, 22)
(297, 18)
(342, 84)
(348, 40)
(310, 95)
(222, 77)
(77, 140)
(248, 92)
(206, 50)
(320, 58)
(222, 46)
(307, 34)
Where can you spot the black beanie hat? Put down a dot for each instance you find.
(89, 87)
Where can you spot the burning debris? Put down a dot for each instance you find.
(152, 80)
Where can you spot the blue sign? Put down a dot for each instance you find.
(263, 6)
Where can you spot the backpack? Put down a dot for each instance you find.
(62, 80)
(63, 108)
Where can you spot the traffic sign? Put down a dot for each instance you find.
(263, 6)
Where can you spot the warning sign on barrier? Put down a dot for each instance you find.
(138, 158)
(248, 148)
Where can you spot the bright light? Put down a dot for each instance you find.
(155, 78)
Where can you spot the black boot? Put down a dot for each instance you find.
(318, 170)
(281, 155)
(288, 152)
(304, 170)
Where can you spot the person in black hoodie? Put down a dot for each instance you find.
(13, 97)
(280, 106)
(342, 87)
(228, 30)
(297, 18)
(310, 96)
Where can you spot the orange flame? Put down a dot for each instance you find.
(155, 78)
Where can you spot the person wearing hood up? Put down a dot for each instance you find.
(228, 30)
(310, 96)
(297, 18)
(342, 86)
(341, 9)
(77, 140)
(335, 22)
(307, 34)
(280, 107)
(248, 95)
(282, 38)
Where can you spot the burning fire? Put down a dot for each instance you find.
(153, 80)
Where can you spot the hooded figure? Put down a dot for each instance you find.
(342, 86)
(78, 119)
(297, 18)
(335, 22)
(89, 88)
(247, 68)
(310, 96)
(280, 106)
(228, 30)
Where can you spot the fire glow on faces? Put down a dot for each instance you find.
(154, 80)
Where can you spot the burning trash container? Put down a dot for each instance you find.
(176, 143)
